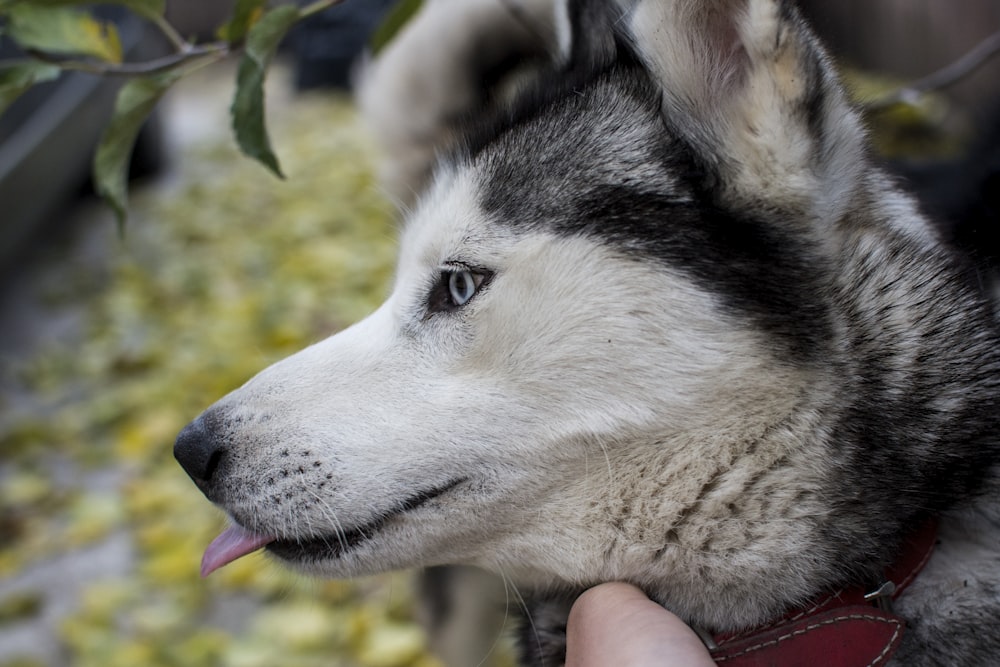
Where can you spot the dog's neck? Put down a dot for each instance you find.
(850, 626)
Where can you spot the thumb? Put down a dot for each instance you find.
(616, 624)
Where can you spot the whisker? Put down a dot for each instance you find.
(330, 514)
(521, 603)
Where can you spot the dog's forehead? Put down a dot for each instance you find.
(450, 225)
(602, 141)
(533, 175)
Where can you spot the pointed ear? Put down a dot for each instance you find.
(747, 84)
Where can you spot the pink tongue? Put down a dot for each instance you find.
(233, 543)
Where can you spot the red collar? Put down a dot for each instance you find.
(851, 627)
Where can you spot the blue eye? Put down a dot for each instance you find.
(455, 287)
(462, 286)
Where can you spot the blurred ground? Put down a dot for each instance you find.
(109, 346)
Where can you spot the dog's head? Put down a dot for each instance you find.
(600, 356)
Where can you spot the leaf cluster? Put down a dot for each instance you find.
(59, 36)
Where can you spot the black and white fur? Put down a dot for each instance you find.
(659, 318)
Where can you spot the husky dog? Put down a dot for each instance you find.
(657, 318)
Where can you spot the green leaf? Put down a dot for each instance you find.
(245, 14)
(248, 102)
(397, 18)
(63, 30)
(134, 103)
(17, 79)
(145, 8)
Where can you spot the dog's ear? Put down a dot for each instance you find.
(747, 85)
(585, 32)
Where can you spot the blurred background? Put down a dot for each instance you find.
(110, 343)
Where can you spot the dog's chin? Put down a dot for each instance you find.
(341, 551)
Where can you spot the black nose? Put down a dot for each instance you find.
(199, 452)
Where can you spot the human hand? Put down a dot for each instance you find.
(616, 624)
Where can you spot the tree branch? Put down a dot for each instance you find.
(944, 77)
(175, 38)
(214, 51)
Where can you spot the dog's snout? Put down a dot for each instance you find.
(198, 451)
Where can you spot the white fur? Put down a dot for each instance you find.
(399, 403)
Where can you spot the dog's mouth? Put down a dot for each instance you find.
(235, 541)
